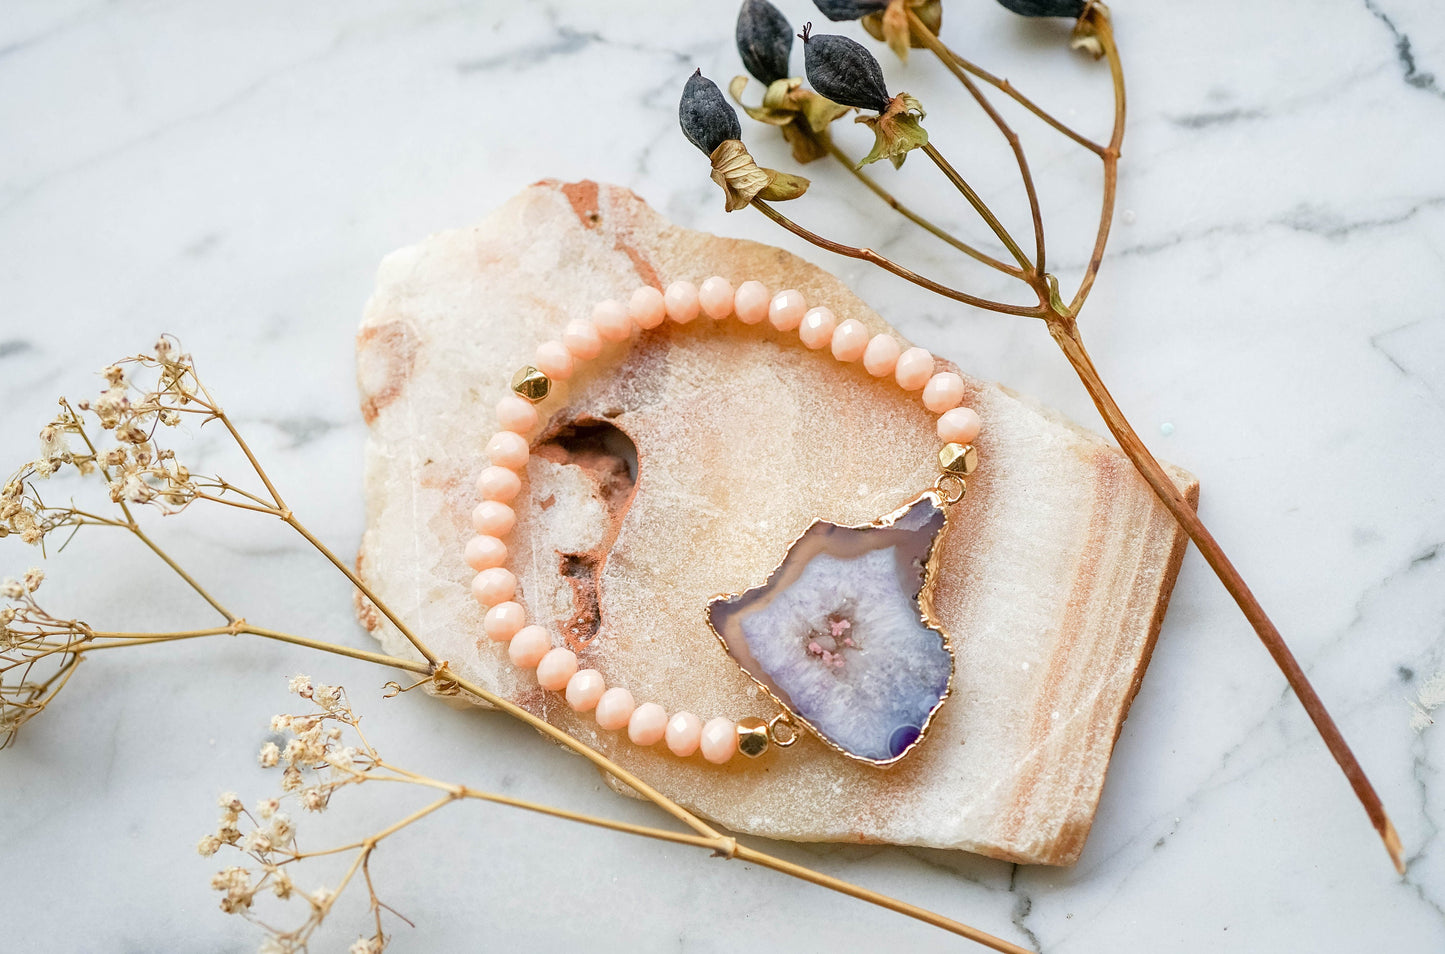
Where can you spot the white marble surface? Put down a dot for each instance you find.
(233, 174)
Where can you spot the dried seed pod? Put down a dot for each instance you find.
(838, 10)
(765, 40)
(1045, 8)
(705, 116)
(844, 71)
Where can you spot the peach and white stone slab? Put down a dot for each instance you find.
(1052, 581)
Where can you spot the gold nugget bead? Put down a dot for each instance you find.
(531, 384)
(752, 737)
(958, 459)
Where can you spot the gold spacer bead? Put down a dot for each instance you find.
(752, 737)
(958, 459)
(531, 384)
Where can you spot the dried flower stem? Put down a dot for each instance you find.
(280, 509)
(980, 207)
(1104, 31)
(921, 30)
(1066, 333)
(369, 766)
(872, 184)
(33, 635)
(888, 265)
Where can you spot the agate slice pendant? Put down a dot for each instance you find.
(842, 634)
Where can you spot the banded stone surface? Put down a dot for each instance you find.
(1053, 576)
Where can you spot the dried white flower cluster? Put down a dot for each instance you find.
(317, 764)
(136, 468)
(111, 440)
(38, 653)
(143, 394)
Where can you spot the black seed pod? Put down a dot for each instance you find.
(844, 71)
(765, 40)
(1045, 8)
(706, 118)
(849, 9)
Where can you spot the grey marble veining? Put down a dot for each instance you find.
(1270, 315)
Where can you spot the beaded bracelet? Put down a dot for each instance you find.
(867, 667)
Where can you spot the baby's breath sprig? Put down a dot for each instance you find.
(113, 443)
(317, 765)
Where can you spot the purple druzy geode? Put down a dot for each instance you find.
(839, 635)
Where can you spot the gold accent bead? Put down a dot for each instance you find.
(958, 458)
(752, 737)
(531, 384)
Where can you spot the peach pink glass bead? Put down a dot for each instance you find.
(585, 339)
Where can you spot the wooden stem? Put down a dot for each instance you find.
(1065, 333)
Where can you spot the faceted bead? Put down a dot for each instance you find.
(958, 458)
(612, 320)
(516, 414)
(509, 450)
(483, 552)
(752, 737)
(719, 740)
(816, 328)
(498, 483)
(750, 302)
(683, 733)
(646, 307)
(554, 360)
(850, 340)
(581, 338)
(528, 646)
(493, 519)
(943, 392)
(615, 708)
(716, 297)
(648, 724)
(494, 585)
(584, 689)
(959, 426)
(681, 301)
(504, 621)
(881, 355)
(914, 368)
(785, 311)
(556, 669)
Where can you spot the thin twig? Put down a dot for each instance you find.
(921, 30)
(721, 845)
(868, 255)
(366, 591)
(180, 572)
(847, 163)
(1008, 89)
(1066, 334)
(979, 206)
(1104, 31)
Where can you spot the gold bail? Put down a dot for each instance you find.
(531, 384)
